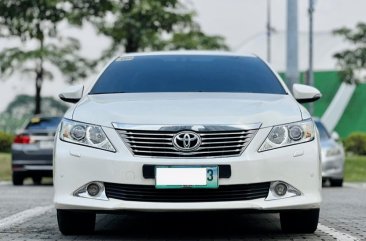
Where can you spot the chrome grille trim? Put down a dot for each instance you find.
(157, 141)
(143, 127)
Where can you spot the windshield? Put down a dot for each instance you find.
(37, 123)
(187, 73)
(322, 131)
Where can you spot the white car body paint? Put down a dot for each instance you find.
(282, 164)
(188, 108)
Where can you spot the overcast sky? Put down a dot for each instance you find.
(237, 20)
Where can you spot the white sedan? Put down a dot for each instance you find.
(187, 131)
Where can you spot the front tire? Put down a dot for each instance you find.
(299, 221)
(18, 179)
(74, 222)
(37, 180)
(336, 182)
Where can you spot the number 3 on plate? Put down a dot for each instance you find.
(209, 175)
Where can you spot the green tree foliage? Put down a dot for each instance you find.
(352, 61)
(356, 143)
(5, 141)
(35, 25)
(132, 25)
(21, 109)
(143, 25)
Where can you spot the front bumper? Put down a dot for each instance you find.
(298, 165)
(333, 167)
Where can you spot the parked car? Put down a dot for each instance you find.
(187, 131)
(32, 149)
(333, 156)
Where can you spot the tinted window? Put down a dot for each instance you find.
(322, 130)
(187, 73)
(43, 123)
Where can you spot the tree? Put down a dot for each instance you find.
(142, 25)
(352, 61)
(42, 49)
(21, 109)
(132, 25)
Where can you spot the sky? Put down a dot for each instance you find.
(241, 22)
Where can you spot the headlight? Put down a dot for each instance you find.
(289, 134)
(333, 152)
(85, 134)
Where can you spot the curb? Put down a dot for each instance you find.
(355, 184)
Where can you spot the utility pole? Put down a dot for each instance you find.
(292, 66)
(269, 31)
(310, 75)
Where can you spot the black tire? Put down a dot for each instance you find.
(37, 180)
(18, 179)
(336, 182)
(73, 222)
(299, 221)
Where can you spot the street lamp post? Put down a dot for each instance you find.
(292, 68)
(310, 75)
(269, 30)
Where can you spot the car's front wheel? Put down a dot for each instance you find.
(299, 221)
(18, 179)
(37, 180)
(75, 222)
(336, 182)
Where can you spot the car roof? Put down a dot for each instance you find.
(46, 116)
(317, 119)
(188, 52)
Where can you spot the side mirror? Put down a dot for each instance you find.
(335, 136)
(305, 93)
(72, 94)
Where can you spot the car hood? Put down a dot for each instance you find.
(187, 108)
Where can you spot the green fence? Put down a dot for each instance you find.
(354, 117)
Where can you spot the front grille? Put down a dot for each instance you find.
(148, 193)
(213, 143)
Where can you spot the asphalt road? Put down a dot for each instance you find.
(26, 213)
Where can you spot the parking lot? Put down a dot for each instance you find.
(29, 215)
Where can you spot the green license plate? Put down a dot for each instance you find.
(175, 177)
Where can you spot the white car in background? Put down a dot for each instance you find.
(187, 131)
(333, 156)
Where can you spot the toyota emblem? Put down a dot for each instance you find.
(186, 141)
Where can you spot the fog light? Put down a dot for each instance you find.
(280, 189)
(93, 189)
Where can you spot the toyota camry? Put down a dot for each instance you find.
(185, 132)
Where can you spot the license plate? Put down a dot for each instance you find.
(46, 144)
(175, 177)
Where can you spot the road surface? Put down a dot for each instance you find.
(27, 213)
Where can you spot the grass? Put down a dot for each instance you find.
(5, 170)
(5, 167)
(355, 169)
